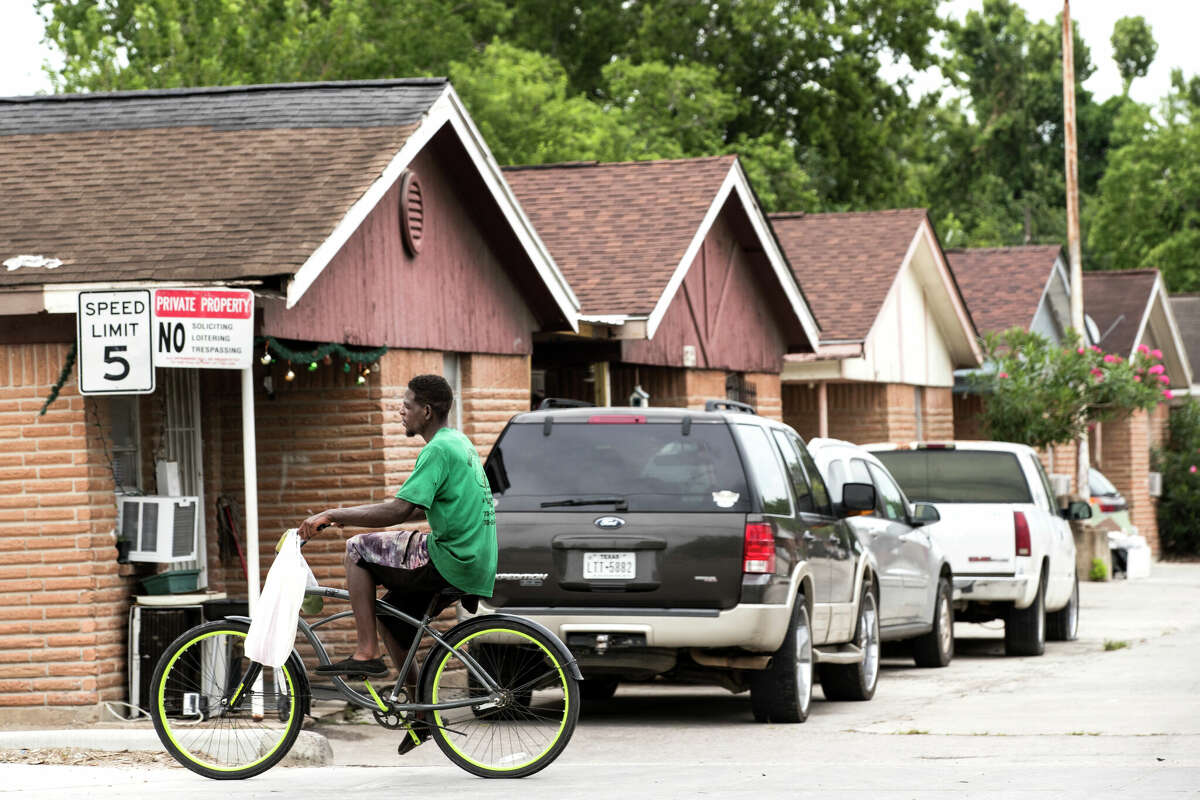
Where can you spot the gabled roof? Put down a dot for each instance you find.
(1118, 301)
(1004, 286)
(847, 263)
(224, 184)
(625, 234)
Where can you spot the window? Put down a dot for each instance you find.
(958, 476)
(891, 499)
(764, 464)
(126, 458)
(836, 473)
(820, 493)
(653, 467)
(804, 500)
(1051, 500)
(859, 472)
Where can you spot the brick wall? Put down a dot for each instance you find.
(870, 412)
(494, 389)
(769, 394)
(937, 413)
(1125, 460)
(63, 597)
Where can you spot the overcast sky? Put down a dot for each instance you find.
(1175, 25)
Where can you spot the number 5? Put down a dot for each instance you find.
(109, 358)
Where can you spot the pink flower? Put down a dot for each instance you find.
(1157, 369)
(1096, 349)
(1164, 379)
(1192, 469)
(1002, 375)
(1156, 353)
(1137, 378)
(1110, 359)
(1143, 349)
(1097, 373)
(1168, 394)
(1080, 351)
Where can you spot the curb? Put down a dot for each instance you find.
(310, 750)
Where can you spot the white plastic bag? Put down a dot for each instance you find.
(273, 623)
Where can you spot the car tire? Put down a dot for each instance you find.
(857, 681)
(936, 648)
(597, 690)
(783, 691)
(1025, 628)
(1063, 625)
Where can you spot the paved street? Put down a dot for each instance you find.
(1078, 722)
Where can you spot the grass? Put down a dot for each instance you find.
(1115, 644)
(1084, 733)
(912, 732)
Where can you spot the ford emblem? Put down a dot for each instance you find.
(610, 523)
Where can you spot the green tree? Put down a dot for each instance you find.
(1179, 506)
(1134, 49)
(1148, 209)
(1001, 172)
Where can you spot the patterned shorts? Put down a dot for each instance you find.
(396, 549)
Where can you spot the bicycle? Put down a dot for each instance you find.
(499, 694)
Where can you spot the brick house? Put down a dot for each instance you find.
(684, 292)
(1131, 309)
(1013, 287)
(365, 214)
(894, 327)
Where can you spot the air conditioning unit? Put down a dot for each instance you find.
(1155, 483)
(159, 529)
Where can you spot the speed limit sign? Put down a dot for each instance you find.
(115, 342)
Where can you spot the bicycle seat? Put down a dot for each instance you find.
(448, 595)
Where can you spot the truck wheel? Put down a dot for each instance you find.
(1025, 629)
(936, 648)
(1063, 625)
(857, 681)
(783, 691)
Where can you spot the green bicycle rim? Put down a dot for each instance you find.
(171, 735)
(566, 700)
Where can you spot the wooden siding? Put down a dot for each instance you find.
(465, 292)
(728, 308)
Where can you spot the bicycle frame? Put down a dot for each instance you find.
(373, 702)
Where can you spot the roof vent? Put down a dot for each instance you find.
(412, 212)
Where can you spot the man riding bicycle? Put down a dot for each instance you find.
(448, 487)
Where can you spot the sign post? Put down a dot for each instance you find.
(116, 351)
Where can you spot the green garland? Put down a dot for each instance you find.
(320, 352)
(62, 379)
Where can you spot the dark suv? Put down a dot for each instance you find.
(698, 545)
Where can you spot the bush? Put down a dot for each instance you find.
(1099, 570)
(1179, 506)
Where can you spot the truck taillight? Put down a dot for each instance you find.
(758, 555)
(1021, 532)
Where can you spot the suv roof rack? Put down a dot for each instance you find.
(563, 402)
(728, 405)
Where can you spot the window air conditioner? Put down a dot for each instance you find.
(160, 529)
(1155, 483)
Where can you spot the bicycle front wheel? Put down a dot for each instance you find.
(210, 718)
(531, 723)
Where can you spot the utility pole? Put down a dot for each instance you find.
(1073, 254)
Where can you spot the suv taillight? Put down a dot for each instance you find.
(1021, 532)
(759, 553)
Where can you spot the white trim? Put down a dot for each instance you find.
(736, 180)
(1141, 331)
(63, 298)
(447, 109)
(956, 298)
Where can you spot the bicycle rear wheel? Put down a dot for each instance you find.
(209, 724)
(532, 722)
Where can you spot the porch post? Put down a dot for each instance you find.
(250, 471)
(823, 409)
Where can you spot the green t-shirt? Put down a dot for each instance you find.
(448, 482)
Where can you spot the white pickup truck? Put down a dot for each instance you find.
(1008, 542)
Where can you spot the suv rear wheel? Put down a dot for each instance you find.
(783, 691)
(857, 681)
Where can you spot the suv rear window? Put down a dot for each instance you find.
(957, 476)
(653, 466)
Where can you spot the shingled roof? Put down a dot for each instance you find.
(618, 231)
(1003, 286)
(847, 263)
(1118, 300)
(193, 184)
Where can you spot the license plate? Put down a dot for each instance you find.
(609, 565)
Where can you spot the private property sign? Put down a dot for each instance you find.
(124, 335)
(207, 328)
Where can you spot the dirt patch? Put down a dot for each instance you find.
(72, 757)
